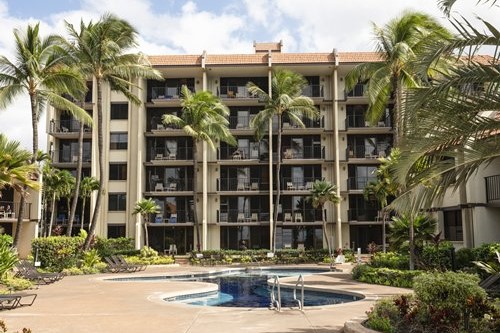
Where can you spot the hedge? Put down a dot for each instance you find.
(57, 252)
(384, 276)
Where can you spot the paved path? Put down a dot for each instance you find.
(91, 304)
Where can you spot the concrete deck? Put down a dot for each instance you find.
(91, 304)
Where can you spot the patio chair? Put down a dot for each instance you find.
(172, 187)
(14, 300)
(298, 217)
(159, 187)
(241, 217)
(254, 186)
(254, 217)
(290, 186)
(116, 267)
(172, 250)
(288, 217)
(26, 270)
(309, 185)
(121, 260)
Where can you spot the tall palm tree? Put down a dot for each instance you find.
(322, 192)
(204, 118)
(101, 51)
(57, 184)
(399, 43)
(146, 207)
(15, 170)
(87, 186)
(40, 70)
(286, 100)
(66, 187)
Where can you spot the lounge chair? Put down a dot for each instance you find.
(119, 259)
(14, 300)
(26, 270)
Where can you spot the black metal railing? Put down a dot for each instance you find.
(71, 156)
(313, 90)
(235, 153)
(359, 90)
(180, 153)
(359, 183)
(180, 216)
(304, 152)
(170, 185)
(10, 209)
(66, 126)
(308, 123)
(167, 92)
(251, 184)
(362, 214)
(492, 188)
(256, 215)
(359, 121)
(363, 151)
(298, 184)
(235, 92)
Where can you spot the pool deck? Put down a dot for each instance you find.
(90, 304)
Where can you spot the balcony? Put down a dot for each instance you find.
(298, 184)
(240, 122)
(300, 215)
(492, 189)
(308, 123)
(313, 90)
(71, 156)
(359, 183)
(234, 91)
(252, 184)
(359, 90)
(180, 216)
(156, 184)
(9, 209)
(362, 151)
(359, 121)
(68, 128)
(362, 215)
(159, 94)
(256, 215)
(170, 154)
(243, 153)
(304, 152)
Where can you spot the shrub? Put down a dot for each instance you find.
(109, 246)
(57, 252)
(147, 252)
(384, 316)
(390, 260)
(8, 257)
(158, 260)
(486, 252)
(464, 258)
(433, 257)
(13, 283)
(90, 258)
(384, 276)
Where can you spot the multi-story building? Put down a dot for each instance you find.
(235, 189)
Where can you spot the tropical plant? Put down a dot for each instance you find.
(39, 70)
(285, 101)
(101, 52)
(399, 42)
(66, 188)
(87, 186)
(322, 192)
(15, 169)
(8, 257)
(146, 207)
(204, 118)
(57, 184)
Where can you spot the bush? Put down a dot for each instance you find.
(90, 258)
(439, 258)
(8, 257)
(110, 246)
(57, 252)
(464, 258)
(13, 283)
(147, 252)
(158, 260)
(390, 260)
(486, 252)
(384, 316)
(384, 276)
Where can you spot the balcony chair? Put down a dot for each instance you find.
(172, 187)
(240, 186)
(241, 217)
(172, 250)
(2, 211)
(298, 217)
(237, 155)
(290, 186)
(160, 127)
(173, 218)
(254, 217)
(230, 94)
(254, 186)
(286, 125)
(159, 157)
(172, 156)
(159, 218)
(159, 187)
(309, 185)
(64, 129)
(381, 154)
(288, 154)
(288, 217)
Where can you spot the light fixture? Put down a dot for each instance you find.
(343, 138)
(197, 81)
(341, 79)
(216, 81)
(324, 138)
(216, 200)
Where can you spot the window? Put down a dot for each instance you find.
(118, 141)
(117, 201)
(118, 171)
(116, 230)
(119, 111)
(453, 225)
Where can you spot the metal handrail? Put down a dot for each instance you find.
(300, 301)
(276, 303)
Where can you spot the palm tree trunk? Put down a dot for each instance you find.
(84, 200)
(52, 211)
(278, 182)
(22, 201)
(76, 192)
(323, 218)
(100, 154)
(146, 236)
(195, 205)
(398, 117)
(412, 244)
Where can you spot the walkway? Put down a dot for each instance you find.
(90, 304)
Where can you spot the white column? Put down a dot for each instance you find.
(338, 215)
(271, 180)
(205, 184)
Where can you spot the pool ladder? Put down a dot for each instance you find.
(276, 293)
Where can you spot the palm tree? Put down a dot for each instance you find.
(204, 118)
(322, 192)
(101, 52)
(87, 186)
(15, 170)
(285, 100)
(40, 70)
(66, 187)
(399, 42)
(57, 184)
(146, 207)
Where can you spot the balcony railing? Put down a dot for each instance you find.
(235, 92)
(256, 215)
(298, 184)
(169, 185)
(234, 153)
(10, 209)
(66, 126)
(359, 90)
(359, 183)
(359, 121)
(251, 184)
(304, 152)
(362, 214)
(71, 156)
(180, 216)
(167, 92)
(180, 153)
(492, 188)
(313, 90)
(308, 123)
(362, 151)
(240, 122)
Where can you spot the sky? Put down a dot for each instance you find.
(222, 26)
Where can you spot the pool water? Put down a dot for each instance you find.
(250, 289)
